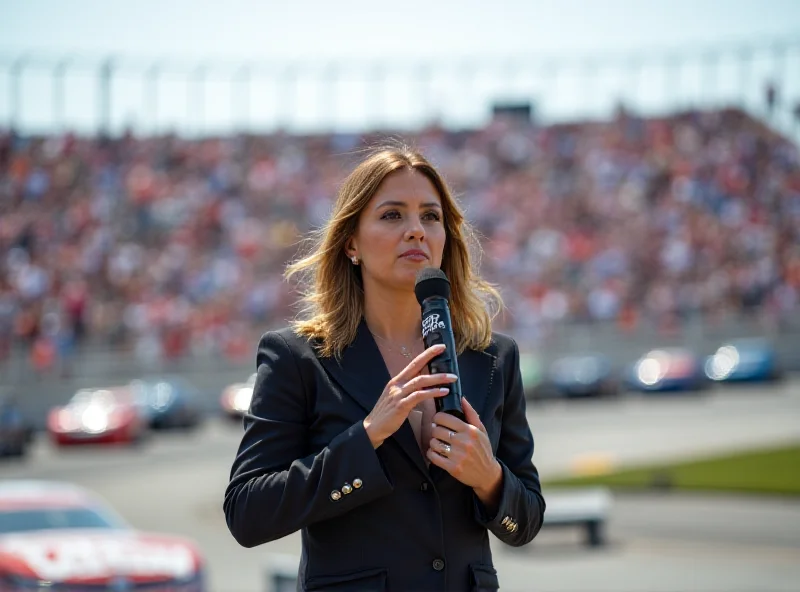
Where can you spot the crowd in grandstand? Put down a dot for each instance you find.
(171, 246)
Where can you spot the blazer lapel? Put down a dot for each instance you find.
(363, 375)
(361, 371)
(476, 371)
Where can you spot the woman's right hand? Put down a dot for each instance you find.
(403, 393)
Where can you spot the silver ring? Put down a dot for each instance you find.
(452, 433)
(446, 448)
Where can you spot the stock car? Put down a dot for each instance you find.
(578, 376)
(666, 370)
(744, 360)
(58, 536)
(98, 416)
(236, 397)
(168, 401)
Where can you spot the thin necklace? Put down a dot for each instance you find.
(404, 351)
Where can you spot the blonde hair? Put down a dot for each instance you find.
(331, 286)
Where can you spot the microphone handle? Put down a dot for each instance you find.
(437, 327)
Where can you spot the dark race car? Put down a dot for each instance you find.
(744, 360)
(670, 369)
(168, 401)
(57, 536)
(578, 376)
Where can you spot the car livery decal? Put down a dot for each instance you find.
(65, 558)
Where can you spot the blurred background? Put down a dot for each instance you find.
(633, 169)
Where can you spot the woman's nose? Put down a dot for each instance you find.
(415, 230)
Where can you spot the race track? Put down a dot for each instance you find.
(175, 482)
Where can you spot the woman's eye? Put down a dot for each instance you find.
(431, 216)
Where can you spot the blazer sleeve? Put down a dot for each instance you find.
(275, 487)
(521, 507)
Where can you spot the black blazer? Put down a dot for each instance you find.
(375, 519)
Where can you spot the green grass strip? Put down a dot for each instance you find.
(773, 471)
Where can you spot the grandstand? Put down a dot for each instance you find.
(173, 247)
(170, 246)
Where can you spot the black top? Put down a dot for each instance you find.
(375, 519)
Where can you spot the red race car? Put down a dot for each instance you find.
(57, 536)
(98, 416)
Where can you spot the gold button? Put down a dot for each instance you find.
(515, 527)
(505, 521)
(357, 483)
(346, 488)
(336, 495)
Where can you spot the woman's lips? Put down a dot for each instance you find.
(414, 255)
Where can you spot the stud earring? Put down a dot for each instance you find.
(354, 259)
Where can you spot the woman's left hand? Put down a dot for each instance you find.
(463, 450)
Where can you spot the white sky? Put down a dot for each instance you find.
(320, 32)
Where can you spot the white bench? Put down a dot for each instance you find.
(589, 507)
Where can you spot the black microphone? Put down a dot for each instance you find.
(433, 293)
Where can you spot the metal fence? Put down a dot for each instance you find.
(40, 93)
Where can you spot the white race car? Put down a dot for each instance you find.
(56, 536)
(236, 397)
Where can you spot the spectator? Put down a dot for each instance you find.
(174, 247)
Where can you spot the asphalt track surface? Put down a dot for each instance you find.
(656, 542)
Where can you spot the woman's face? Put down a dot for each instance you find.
(400, 231)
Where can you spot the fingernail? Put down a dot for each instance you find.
(443, 390)
(452, 376)
(433, 425)
(440, 346)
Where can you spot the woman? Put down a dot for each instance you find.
(342, 440)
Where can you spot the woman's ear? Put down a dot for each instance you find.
(350, 248)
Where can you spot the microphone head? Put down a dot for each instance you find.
(431, 281)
